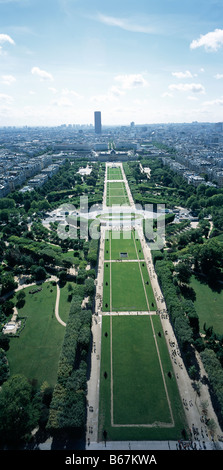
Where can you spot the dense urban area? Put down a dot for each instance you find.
(50, 298)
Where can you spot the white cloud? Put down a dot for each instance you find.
(100, 99)
(191, 87)
(186, 74)
(8, 79)
(131, 81)
(103, 98)
(5, 99)
(125, 24)
(112, 96)
(218, 102)
(6, 38)
(66, 92)
(218, 76)
(166, 94)
(192, 98)
(42, 74)
(65, 98)
(63, 101)
(211, 41)
(53, 90)
(116, 91)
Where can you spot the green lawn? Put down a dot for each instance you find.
(138, 384)
(116, 194)
(124, 243)
(139, 396)
(114, 173)
(117, 201)
(36, 352)
(148, 287)
(117, 191)
(64, 306)
(127, 287)
(127, 280)
(106, 288)
(208, 305)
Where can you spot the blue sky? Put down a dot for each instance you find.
(148, 61)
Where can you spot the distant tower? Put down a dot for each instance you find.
(97, 122)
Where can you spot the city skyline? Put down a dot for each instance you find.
(157, 63)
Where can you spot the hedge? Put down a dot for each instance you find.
(68, 405)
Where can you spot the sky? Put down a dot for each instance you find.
(147, 61)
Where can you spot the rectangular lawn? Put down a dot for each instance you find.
(133, 400)
(116, 194)
(114, 173)
(117, 243)
(127, 287)
(139, 395)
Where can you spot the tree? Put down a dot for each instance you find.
(7, 203)
(18, 411)
(20, 299)
(8, 283)
(183, 272)
(210, 257)
(183, 331)
(190, 311)
(192, 372)
(4, 342)
(21, 295)
(39, 273)
(7, 307)
(4, 367)
(82, 274)
(62, 277)
(89, 287)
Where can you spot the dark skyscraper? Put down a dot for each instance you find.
(97, 122)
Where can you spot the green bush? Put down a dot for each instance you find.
(68, 406)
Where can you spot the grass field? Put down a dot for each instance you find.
(126, 242)
(208, 305)
(114, 173)
(138, 400)
(127, 285)
(116, 194)
(139, 397)
(136, 373)
(36, 352)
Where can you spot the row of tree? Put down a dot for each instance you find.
(68, 406)
(183, 315)
(214, 370)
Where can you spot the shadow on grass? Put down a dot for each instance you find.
(188, 292)
(216, 285)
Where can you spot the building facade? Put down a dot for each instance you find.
(97, 122)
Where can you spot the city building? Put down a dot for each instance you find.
(97, 122)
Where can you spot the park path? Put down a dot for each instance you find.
(57, 315)
(21, 286)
